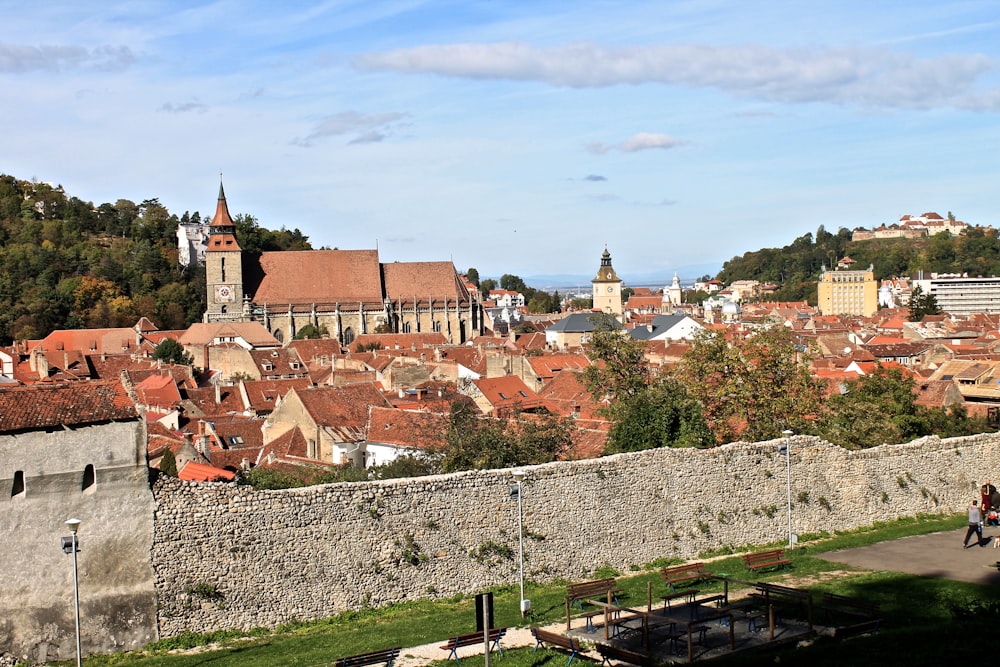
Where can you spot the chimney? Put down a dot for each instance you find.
(402, 392)
(218, 394)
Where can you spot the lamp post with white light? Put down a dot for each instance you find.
(515, 490)
(788, 481)
(72, 545)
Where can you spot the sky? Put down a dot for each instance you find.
(515, 137)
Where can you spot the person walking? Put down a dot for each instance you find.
(975, 524)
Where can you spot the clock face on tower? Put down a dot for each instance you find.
(610, 289)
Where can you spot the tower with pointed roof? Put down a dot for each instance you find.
(607, 287)
(223, 267)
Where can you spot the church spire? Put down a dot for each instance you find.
(222, 222)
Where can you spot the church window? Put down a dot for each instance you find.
(348, 336)
(88, 478)
(17, 488)
(223, 269)
(279, 336)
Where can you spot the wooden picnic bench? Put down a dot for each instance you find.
(571, 644)
(857, 629)
(679, 574)
(576, 593)
(834, 605)
(774, 597)
(766, 559)
(609, 653)
(474, 639)
(384, 657)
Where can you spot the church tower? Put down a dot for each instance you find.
(675, 292)
(223, 267)
(607, 288)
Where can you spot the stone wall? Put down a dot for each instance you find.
(117, 603)
(230, 557)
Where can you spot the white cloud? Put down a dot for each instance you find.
(369, 128)
(21, 59)
(186, 107)
(637, 142)
(859, 76)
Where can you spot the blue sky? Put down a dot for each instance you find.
(515, 137)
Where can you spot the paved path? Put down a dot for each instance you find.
(935, 555)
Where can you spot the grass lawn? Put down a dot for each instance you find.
(926, 621)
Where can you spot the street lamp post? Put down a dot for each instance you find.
(72, 545)
(788, 481)
(516, 490)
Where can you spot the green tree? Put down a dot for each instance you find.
(662, 414)
(171, 351)
(875, 409)
(620, 370)
(168, 463)
(473, 442)
(922, 304)
(311, 331)
(486, 286)
(751, 388)
(512, 283)
(473, 276)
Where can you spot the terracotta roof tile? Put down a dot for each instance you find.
(39, 407)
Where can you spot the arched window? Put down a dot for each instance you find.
(88, 478)
(406, 327)
(17, 488)
(348, 336)
(279, 335)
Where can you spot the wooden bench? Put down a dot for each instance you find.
(607, 589)
(473, 639)
(571, 644)
(843, 605)
(765, 559)
(775, 597)
(384, 657)
(858, 629)
(679, 574)
(609, 653)
(688, 594)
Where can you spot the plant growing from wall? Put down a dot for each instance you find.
(803, 497)
(824, 503)
(490, 553)
(409, 550)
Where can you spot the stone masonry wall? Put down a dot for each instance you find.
(227, 556)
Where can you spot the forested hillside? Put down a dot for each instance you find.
(66, 263)
(796, 267)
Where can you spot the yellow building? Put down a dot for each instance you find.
(848, 292)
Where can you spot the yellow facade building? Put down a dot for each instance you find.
(848, 292)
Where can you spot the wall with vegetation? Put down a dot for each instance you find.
(230, 557)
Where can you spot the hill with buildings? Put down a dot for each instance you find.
(795, 268)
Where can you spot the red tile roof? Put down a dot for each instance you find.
(406, 428)
(200, 472)
(309, 277)
(38, 407)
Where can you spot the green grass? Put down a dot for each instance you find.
(917, 611)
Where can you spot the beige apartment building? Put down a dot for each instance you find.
(848, 292)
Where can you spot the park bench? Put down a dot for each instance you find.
(576, 593)
(609, 653)
(842, 605)
(679, 574)
(384, 657)
(778, 597)
(766, 559)
(474, 639)
(571, 644)
(857, 629)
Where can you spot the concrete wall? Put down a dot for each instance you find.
(117, 597)
(231, 557)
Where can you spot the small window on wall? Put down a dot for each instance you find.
(348, 336)
(88, 479)
(17, 488)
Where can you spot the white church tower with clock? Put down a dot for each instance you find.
(607, 288)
